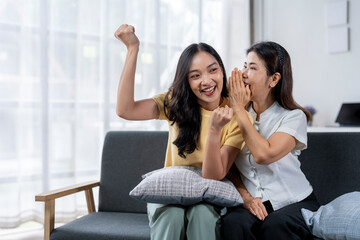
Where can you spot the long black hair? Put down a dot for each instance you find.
(181, 105)
(277, 59)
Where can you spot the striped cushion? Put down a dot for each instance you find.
(184, 185)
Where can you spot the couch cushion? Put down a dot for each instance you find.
(126, 156)
(105, 225)
(339, 219)
(185, 185)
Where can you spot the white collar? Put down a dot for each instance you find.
(264, 115)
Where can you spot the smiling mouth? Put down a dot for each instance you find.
(209, 91)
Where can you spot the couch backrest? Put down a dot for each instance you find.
(126, 156)
(332, 163)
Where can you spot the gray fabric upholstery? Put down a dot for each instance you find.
(105, 225)
(127, 156)
(332, 164)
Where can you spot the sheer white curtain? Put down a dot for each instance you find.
(59, 70)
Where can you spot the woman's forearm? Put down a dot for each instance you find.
(213, 166)
(217, 158)
(234, 177)
(264, 151)
(125, 95)
(258, 145)
(254, 205)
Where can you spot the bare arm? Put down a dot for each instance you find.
(254, 205)
(126, 106)
(265, 151)
(217, 159)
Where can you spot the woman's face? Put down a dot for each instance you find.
(255, 75)
(205, 77)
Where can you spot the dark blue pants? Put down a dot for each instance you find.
(286, 223)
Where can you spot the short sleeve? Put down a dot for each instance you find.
(159, 100)
(295, 124)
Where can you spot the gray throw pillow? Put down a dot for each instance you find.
(184, 185)
(339, 219)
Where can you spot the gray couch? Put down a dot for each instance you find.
(331, 163)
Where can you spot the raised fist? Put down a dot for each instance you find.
(220, 117)
(126, 33)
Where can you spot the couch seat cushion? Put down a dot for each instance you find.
(105, 225)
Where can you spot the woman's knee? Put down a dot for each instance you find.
(168, 215)
(272, 222)
(176, 214)
(280, 225)
(203, 213)
(239, 224)
(167, 222)
(275, 227)
(238, 218)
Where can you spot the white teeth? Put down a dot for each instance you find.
(209, 89)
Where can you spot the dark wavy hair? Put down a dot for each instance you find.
(277, 59)
(181, 105)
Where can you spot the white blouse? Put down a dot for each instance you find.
(281, 182)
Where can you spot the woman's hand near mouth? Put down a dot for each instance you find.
(239, 92)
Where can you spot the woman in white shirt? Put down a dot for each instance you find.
(269, 177)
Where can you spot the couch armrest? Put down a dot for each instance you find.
(50, 196)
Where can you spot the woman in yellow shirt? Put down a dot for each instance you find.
(202, 130)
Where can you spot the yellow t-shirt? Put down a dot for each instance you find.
(230, 135)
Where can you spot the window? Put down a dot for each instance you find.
(59, 70)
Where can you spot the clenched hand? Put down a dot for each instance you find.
(126, 33)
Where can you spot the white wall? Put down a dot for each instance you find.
(234, 39)
(239, 32)
(321, 79)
